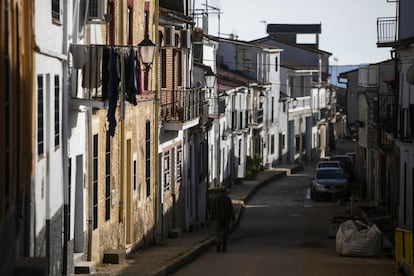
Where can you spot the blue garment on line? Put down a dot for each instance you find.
(113, 92)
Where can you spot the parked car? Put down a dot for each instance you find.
(347, 164)
(329, 181)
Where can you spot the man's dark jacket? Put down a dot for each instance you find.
(222, 209)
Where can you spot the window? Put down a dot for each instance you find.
(163, 68)
(56, 11)
(282, 140)
(179, 68)
(272, 119)
(130, 20)
(241, 120)
(95, 10)
(134, 175)
(108, 177)
(167, 172)
(272, 144)
(95, 181)
(240, 153)
(57, 115)
(233, 120)
(276, 64)
(179, 163)
(148, 157)
(297, 143)
(40, 116)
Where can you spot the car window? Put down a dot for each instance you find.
(328, 164)
(329, 174)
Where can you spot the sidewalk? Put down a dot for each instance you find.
(173, 253)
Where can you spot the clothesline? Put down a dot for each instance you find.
(112, 69)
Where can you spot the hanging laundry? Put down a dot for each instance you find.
(113, 91)
(91, 77)
(130, 78)
(79, 55)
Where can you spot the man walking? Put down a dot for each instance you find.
(222, 214)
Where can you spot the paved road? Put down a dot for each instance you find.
(283, 232)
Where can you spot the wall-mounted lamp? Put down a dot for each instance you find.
(147, 51)
(210, 78)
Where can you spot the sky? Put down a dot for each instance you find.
(349, 28)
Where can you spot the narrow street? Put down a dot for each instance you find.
(283, 232)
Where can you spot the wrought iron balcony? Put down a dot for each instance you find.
(256, 119)
(386, 118)
(387, 31)
(180, 107)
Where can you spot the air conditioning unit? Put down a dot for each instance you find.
(186, 39)
(96, 10)
(169, 36)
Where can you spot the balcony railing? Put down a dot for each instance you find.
(257, 117)
(180, 105)
(385, 118)
(387, 31)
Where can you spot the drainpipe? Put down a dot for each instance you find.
(157, 193)
(90, 188)
(65, 119)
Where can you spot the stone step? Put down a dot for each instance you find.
(114, 256)
(85, 267)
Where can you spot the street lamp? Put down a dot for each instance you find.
(147, 51)
(294, 102)
(210, 81)
(210, 78)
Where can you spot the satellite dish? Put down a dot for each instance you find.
(410, 75)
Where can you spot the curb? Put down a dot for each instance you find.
(179, 262)
(261, 184)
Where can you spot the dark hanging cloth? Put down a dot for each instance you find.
(105, 72)
(113, 91)
(90, 71)
(130, 78)
(138, 73)
(79, 55)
